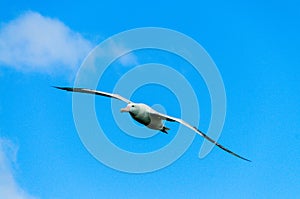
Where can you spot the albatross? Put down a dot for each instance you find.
(147, 116)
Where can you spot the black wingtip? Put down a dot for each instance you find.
(245, 159)
(219, 145)
(63, 88)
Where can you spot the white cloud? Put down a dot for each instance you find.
(33, 42)
(129, 59)
(9, 188)
(125, 60)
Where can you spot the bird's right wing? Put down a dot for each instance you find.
(174, 119)
(95, 92)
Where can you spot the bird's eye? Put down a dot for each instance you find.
(132, 105)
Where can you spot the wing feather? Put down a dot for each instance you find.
(95, 92)
(174, 119)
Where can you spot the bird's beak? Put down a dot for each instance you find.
(126, 109)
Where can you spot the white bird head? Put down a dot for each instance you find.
(131, 108)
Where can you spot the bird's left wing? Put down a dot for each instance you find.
(95, 92)
(174, 119)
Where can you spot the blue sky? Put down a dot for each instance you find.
(255, 46)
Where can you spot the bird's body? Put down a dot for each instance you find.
(140, 113)
(147, 116)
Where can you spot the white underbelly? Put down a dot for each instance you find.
(156, 124)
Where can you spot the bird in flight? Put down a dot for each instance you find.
(147, 116)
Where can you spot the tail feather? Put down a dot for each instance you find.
(165, 129)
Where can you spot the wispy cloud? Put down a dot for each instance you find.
(127, 59)
(36, 43)
(9, 188)
(33, 42)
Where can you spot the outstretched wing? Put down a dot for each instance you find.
(95, 92)
(174, 119)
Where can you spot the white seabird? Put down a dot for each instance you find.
(147, 116)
